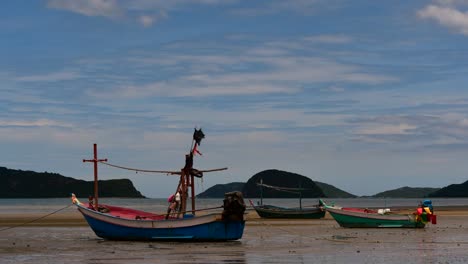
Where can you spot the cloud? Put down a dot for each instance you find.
(149, 20)
(50, 77)
(414, 132)
(334, 89)
(396, 129)
(329, 39)
(105, 8)
(264, 68)
(447, 16)
(34, 123)
(304, 7)
(146, 21)
(145, 12)
(452, 2)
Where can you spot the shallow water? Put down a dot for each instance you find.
(10, 206)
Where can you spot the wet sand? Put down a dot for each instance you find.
(66, 238)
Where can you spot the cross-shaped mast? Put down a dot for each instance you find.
(95, 161)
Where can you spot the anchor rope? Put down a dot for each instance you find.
(37, 219)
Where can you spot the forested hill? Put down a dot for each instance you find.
(407, 192)
(281, 179)
(331, 191)
(288, 179)
(276, 178)
(30, 184)
(453, 190)
(219, 190)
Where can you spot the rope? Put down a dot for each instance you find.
(156, 171)
(37, 219)
(282, 188)
(140, 170)
(198, 210)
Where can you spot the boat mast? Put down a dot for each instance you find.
(300, 195)
(261, 191)
(95, 161)
(187, 179)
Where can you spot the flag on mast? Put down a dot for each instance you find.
(198, 135)
(195, 150)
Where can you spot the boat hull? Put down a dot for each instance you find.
(367, 220)
(268, 211)
(201, 228)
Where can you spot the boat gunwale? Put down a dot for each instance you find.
(150, 223)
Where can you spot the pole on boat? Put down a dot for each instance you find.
(193, 193)
(189, 176)
(300, 195)
(95, 161)
(261, 191)
(183, 192)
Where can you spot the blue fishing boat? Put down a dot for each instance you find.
(226, 222)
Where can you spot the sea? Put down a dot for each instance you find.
(159, 205)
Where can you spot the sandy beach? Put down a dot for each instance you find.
(66, 238)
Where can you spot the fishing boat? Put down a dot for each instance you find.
(370, 218)
(120, 223)
(271, 211)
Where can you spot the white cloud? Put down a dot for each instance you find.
(397, 129)
(447, 16)
(146, 20)
(34, 123)
(335, 89)
(105, 8)
(329, 39)
(136, 9)
(272, 7)
(149, 20)
(249, 71)
(50, 77)
(184, 89)
(452, 2)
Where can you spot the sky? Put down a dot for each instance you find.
(365, 95)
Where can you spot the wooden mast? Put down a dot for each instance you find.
(192, 185)
(187, 181)
(95, 161)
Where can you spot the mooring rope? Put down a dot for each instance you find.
(139, 170)
(37, 219)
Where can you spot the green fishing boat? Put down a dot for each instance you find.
(382, 218)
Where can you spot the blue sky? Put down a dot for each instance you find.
(365, 95)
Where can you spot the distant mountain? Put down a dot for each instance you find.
(333, 192)
(453, 190)
(30, 184)
(407, 192)
(219, 190)
(281, 179)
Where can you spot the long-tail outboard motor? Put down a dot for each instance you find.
(234, 206)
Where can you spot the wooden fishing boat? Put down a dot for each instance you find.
(271, 211)
(119, 223)
(370, 218)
